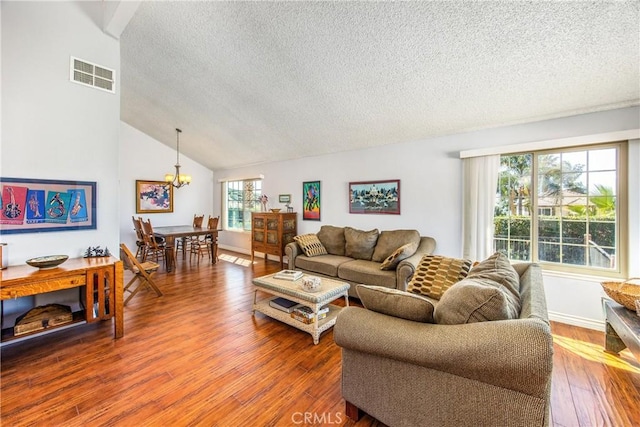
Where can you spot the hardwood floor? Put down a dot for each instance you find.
(196, 356)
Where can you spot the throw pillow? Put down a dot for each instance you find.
(403, 252)
(393, 302)
(389, 241)
(498, 269)
(310, 245)
(332, 238)
(360, 244)
(476, 300)
(435, 274)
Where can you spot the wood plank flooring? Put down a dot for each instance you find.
(196, 356)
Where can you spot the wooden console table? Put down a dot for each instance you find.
(622, 329)
(100, 281)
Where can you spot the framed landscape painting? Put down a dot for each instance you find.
(37, 205)
(154, 197)
(311, 200)
(375, 197)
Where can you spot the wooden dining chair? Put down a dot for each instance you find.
(142, 273)
(201, 245)
(212, 224)
(156, 247)
(141, 250)
(183, 243)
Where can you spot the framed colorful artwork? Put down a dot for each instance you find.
(311, 200)
(154, 197)
(375, 197)
(37, 205)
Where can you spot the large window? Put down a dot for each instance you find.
(242, 198)
(564, 208)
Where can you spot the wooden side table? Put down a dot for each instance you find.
(622, 329)
(100, 281)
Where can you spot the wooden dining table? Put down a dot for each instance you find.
(171, 232)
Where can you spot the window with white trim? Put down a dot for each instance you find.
(564, 208)
(241, 198)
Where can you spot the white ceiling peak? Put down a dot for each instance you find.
(117, 15)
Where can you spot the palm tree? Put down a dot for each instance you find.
(604, 200)
(514, 184)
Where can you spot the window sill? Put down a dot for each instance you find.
(582, 277)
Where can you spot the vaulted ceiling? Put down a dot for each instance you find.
(252, 82)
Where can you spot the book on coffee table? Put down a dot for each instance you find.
(288, 275)
(283, 304)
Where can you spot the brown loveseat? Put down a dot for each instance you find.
(356, 256)
(487, 373)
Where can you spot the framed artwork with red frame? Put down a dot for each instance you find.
(375, 197)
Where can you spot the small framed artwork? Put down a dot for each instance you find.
(284, 198)
(311, 202)
(375, 197)
(37, 205)
(154, 197)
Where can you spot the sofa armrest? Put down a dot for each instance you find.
(292, 250)
(513, 354)
(408, 266)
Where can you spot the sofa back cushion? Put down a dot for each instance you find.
(332, 238)
(360, 244)
(389, 241)
(498, 269)
(435, 274)
(476, 300)
(491, 291)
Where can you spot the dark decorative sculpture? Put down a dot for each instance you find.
(96, 252)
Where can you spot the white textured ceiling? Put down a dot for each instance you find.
(252, 82)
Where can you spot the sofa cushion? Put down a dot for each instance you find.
(393, 302)
(360, 244)
(435, 274)
(498, 269)
(403, 252)
(389, 241)
(332, 238)
(491, 291)
(325, 264)
(363, 271)
(476, 300)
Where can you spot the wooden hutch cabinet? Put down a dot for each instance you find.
(270, 232)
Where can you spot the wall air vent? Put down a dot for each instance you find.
(89, 74)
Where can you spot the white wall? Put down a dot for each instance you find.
(53, 128)
(144, 158)
(430, 174)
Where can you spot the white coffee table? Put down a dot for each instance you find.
(330, 290)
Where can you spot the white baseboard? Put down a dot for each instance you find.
(235, 249)
(583, 322)
(259, 255)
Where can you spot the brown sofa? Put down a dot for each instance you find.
(356, 256)
(489, 373)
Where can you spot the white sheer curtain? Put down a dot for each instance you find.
(479, 185)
